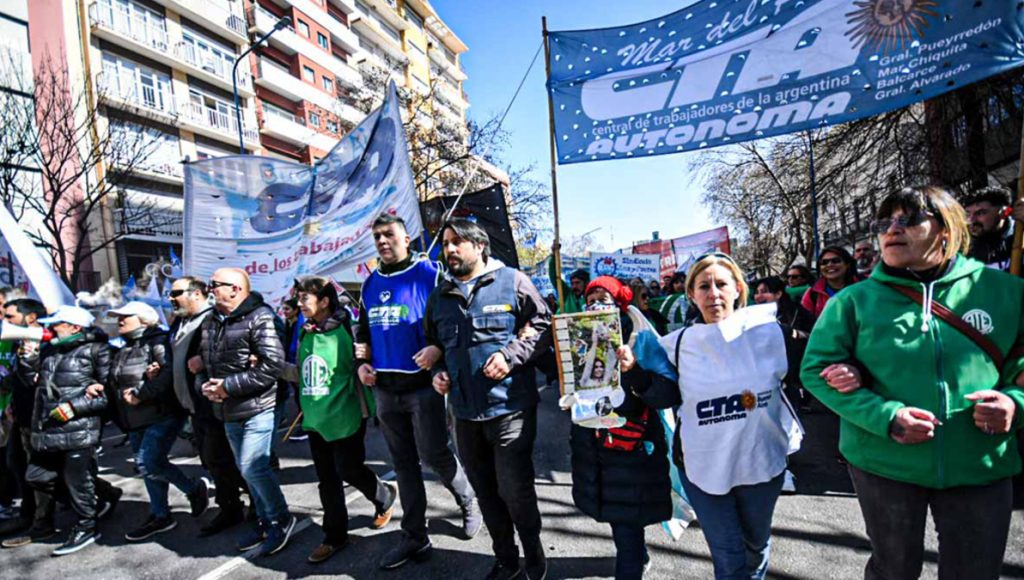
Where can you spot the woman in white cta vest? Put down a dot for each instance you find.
(735, 426)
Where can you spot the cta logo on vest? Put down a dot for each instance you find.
(731, 407)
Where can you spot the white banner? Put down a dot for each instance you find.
(44, 283)
(279, 220)
(626, 266)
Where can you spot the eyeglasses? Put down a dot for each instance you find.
(881, 226)
(176, 293)
(214, 284)
(794, 276)
(830, 261)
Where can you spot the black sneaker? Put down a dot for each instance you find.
(502, 571)
(225, 518)
(199, 501)
(152, 527)
(536, 562)
(80, 538)
(407, 549)
(106, 507)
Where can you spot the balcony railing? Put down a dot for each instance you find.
(105, 15)
(221, 121)
(217, 67)
(157, 99)
(149, 222)
(215, 13)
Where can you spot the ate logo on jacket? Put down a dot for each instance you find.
(731, 407)
(315, 376)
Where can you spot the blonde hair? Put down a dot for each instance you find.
(726, 262)
(941, 204)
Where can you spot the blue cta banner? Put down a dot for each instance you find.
(725, 71)
(279, 220)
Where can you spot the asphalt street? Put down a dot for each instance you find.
(817, 532)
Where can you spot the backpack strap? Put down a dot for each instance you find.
(960, 324)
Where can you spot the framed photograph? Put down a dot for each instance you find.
(588, 369)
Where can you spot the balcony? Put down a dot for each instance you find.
(152, 102)
(215, 123)
(156, 170)
(213, 16)
(290, 128)
(279, 80)
(149, 224)
(292, 43)
(441, 59)
(117, 26)
(341, 33)
(369, 29)
(213, 70)
(153, 42)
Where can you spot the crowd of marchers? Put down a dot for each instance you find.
(915, 341)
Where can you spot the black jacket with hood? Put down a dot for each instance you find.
(128, 373)
(65, 369)
(227, 344)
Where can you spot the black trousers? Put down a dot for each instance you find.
(218, 459)
(336, 463)
(77, 470)
(972, 522)
(498, 457)
(415, 426)
(18, 450)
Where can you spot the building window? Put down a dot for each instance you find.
(322, 41)
(413, 18)
(328, 85)
(309, 74)
(314, 120)
(390, 31)
(304, 29)
(332, 126)
(416, 49)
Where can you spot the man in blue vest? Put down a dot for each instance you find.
(395, 360)
(493, 326)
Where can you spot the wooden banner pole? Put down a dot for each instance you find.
(554, 171)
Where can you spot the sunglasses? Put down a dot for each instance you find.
(794, 276)
(830, 261)
(213, 284)
(176, 293)
(879, 227)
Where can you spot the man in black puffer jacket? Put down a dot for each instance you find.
(242, 357)
(66, 420)
(141, 386)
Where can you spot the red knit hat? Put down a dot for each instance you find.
(621, 293)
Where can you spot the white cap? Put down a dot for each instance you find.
(71, 315)
(144, 311)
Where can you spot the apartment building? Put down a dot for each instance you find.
(164, 69)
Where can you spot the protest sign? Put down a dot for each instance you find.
(279, 220)
(625, 266)
(588, 368)
(678, 253)
(723, 72)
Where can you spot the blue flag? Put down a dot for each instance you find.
(726, 71)
(130, 289)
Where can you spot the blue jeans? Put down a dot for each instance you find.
(251, 441)
(151, 446)
(737, 526)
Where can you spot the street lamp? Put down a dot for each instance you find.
(284, 22)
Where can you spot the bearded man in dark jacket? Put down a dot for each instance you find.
(66, 420)
(242, 357)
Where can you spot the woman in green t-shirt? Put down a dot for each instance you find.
(335, 407)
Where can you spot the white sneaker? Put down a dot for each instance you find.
(789, 482)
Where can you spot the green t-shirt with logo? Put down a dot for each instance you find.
(333, 402)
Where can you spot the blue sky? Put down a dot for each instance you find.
(627, 199)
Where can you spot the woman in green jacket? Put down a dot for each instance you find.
(933, 426)
(335, 407)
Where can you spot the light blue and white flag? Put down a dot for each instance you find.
(279, 220)
(43, 282)
(726, 71)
